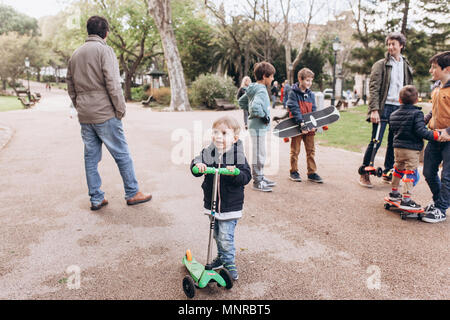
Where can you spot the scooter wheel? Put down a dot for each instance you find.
(188, 255)
(189, 287)
(227, 277)
(379, 172)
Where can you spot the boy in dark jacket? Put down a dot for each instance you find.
(408, 128)
(226, 150)
(301, 100)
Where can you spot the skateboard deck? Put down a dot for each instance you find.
(289, 128)
(388, 204)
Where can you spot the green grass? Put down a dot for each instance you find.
(9, 103)
(351, 132)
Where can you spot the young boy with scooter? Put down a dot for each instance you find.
(225, 151)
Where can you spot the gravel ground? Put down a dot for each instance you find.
(302, 241)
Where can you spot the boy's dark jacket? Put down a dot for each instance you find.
(231, 187)
(408, 126)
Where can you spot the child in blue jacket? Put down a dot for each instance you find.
(301, 100)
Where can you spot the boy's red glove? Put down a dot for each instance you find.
(286, 140)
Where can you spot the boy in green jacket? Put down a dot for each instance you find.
(256, 101)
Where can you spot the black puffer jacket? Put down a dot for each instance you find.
(408, 126)
(231, 187)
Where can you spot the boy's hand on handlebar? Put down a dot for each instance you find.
(230, 168)
(201, 167)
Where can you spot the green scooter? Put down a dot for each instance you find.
(199, 276)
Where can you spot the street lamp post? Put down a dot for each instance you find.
(27, 65)
(336, 43)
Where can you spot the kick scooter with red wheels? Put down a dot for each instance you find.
(370, 169)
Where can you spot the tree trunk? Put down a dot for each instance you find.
(162, 13)
(405, 17)
(128, 78)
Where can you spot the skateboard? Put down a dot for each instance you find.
(417, 214)
(289, 128)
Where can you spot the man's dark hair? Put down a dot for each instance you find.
(263, 69)
(400, 37)
(408, 94)
(97, 25)
(442, 59)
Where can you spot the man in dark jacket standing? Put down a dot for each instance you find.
(388, 76)
(93, 83)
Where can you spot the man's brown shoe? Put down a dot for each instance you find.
(99, 206)
(139, 198)
(365, 181)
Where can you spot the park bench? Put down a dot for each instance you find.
(22, 95)
(147, 101)
(355, 103)
(26, 104)
(342, 104)
(223, 104)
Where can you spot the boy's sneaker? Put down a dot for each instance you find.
(269, 183)
(395, 196)
(261, 186)
(315, 178)
(409, 205)
(215, 264)
(295, 176)
(364, 180)
(233, 271)
(434, 216)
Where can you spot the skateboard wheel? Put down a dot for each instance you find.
(189, 287)
(227, 277)
(403, 216)
(188, 255)
(387, 206)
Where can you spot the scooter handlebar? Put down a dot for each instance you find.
(212, 170)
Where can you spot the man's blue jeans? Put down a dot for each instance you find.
(224, 235)
(111, 134)
(389, 157)
(435, 153)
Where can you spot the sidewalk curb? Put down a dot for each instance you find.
(6, 134)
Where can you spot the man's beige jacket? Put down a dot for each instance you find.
(93, 82)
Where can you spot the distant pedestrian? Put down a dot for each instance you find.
(242, 89)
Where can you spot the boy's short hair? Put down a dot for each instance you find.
(305, 73)
(408, 94)
(263, 69)
(97, 25)
(442, 59)
(230, 122)
(400, 37)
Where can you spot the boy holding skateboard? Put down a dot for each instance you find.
(301, 100)
(408, 129)
(226, 150)
(256, 101)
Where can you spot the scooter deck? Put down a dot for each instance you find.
(202, 276)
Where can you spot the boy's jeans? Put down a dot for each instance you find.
(389, 158)
(224, 235)
(111, 134)
(435, 153)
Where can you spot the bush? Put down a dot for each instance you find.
(138, 94)
(162, 95)
(207, 87)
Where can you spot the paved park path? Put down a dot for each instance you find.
(303, 241)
